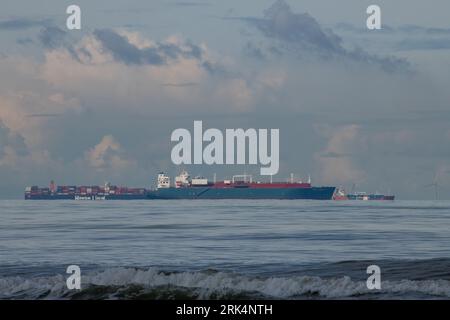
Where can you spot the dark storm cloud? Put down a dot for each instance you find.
(126, 52)
(12, 140)
(300, 33)
(23, 23)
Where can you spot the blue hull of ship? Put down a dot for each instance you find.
(314, 193)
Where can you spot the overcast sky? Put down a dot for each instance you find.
(370, 108)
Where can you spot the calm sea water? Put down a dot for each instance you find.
(224, 249)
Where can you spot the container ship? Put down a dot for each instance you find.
(106, 192)
(239, 187)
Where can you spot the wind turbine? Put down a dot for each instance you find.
(434, 184)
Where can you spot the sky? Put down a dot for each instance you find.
(368, 109)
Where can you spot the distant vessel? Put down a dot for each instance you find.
(106, 192)
(341, 195)
(239, 187)
(371, 196)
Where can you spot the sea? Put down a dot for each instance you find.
(225, 249)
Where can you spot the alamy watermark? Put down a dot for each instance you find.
(73, 282)
(73, 22)
(235, 150)
(374, 280)
(373, 22)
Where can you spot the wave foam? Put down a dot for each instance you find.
(132, 282)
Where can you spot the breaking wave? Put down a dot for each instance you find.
(151, 283)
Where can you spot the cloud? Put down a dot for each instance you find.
(123, 51)
(180, 85)
(386, 30)
(24, 23)
(24, 41)
(423, 44)
(43, 115)
(52, 37)
(336, 160)
(190, 4)
(158, 54)
(108, 153)
(11, 142)
(97, 63)
(281, 23)
(401, 38)
(414, 29)
(300, 33)
(348, 27)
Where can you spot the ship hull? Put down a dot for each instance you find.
(86, 197)
(371, 197)
(313, 193)
(49, 197)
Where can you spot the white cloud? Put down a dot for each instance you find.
(104, 82)
(108, 153)
(336, 161)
